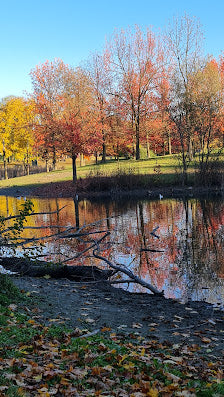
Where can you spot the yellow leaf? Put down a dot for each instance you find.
(38, 378)
(123, 358)
(153, 393)
(64, 381)
(129, 365)
(31, 322)
(113, 351)
(47, 276)
(143, 352)
(105, 329)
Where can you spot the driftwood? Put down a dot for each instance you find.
(123, 269)
(24, 266)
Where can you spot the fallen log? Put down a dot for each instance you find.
(27, 267)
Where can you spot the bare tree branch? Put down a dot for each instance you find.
(123, 269)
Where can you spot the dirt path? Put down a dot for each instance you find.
(96, 305)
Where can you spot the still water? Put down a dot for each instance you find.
(187, 257)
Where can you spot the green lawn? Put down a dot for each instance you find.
(159, 165)
(165, 169)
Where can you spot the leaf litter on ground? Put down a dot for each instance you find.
(39, 360)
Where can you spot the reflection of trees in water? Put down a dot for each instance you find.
(191, 236)
(200, 246)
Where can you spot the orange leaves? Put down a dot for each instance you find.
(82, 363)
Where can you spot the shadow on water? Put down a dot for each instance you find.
(184, 257)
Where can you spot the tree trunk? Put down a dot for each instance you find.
(5, 162)
(74, 170)
(190, 149)
(147, 145)
(184, 181)
(137, 147)
(82, 160)
(27, 161)
(54, 159)
(96, 157)
(104, 153)
(5, 167)
(47, 165)
(25, 266)
(169, 144)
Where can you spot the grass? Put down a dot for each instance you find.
(161, 170)
(37, 360)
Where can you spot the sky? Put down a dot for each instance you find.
(32, 32)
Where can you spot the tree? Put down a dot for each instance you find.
(136, 64)
(16, 117)
(184, 39)
(77, 120)
(4, 134)
(51, 81)
(99, 74)
(205, 96)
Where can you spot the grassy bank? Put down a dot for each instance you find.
(127, 174)
(40, 360)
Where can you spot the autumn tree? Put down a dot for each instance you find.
(98, 72)
(77, 123)
(16, 121)
(162, 103)
(136, 60)
(50, 80)
(120, 132)
(184, 39)
(205, 97)
(4, 134)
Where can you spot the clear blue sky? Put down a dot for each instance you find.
(33, 31)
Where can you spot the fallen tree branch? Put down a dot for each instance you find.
(121, 281)
(124, 270)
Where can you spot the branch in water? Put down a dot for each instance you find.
(124, 270)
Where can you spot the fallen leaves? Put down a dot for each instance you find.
(55, 361)
(98, 365)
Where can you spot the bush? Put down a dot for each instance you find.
(210, 174)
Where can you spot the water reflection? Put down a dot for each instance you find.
(186, 251)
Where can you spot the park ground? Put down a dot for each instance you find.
(143, 178)
(64, 338)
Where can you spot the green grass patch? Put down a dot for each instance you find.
(156, 171)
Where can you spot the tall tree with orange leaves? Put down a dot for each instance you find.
(78, 126)
(136, 63)
(50, 80)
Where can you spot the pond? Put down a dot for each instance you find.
(176, 245)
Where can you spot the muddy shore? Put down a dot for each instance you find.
(93, 306)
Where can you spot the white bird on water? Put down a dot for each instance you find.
(160, 196)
